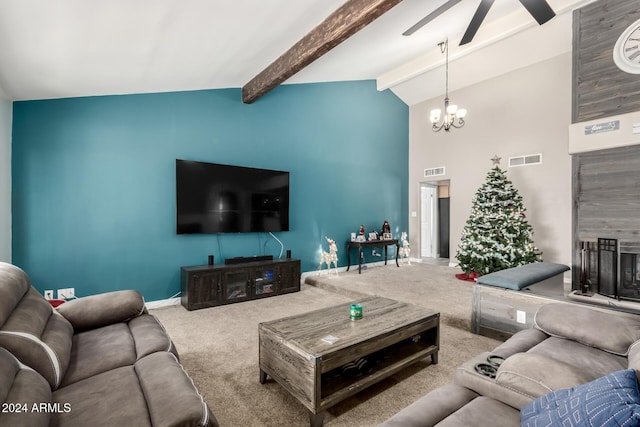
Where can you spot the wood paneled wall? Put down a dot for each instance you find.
(600, 88)
(606, 188)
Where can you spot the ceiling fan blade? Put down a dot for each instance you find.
(477, 19)
(539, 9)
(430, 17)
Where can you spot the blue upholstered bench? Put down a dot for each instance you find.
(520, 277)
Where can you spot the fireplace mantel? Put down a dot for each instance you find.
(611, 132)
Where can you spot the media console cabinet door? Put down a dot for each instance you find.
(237, 285)
(289, 277)
(200, 289)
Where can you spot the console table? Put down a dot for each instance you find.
(372, 243)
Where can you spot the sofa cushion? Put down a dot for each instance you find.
(533, 375)
(594, 362)
(520, 277)
(155, 391)
(609, 401)
(607, 331)
(111, 398)
(20, 389)
(99, 350)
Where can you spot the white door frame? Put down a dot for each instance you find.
(429, 220)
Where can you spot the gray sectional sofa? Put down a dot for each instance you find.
(100, 360)
(570, 351)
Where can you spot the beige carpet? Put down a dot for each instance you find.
(219, 346)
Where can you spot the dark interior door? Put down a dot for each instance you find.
(443, 226)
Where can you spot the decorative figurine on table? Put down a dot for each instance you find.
(330, 257)
(361, 236)
(405, 249)
(386, 231)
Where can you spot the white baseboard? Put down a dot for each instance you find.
(162, 303)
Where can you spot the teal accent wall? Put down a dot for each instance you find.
(93, 179)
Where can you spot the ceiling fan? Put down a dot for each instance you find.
(539, 9)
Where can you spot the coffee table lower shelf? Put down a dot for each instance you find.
(313, 374)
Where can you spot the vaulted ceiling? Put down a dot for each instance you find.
(71, 48)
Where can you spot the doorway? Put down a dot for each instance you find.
(434, 221)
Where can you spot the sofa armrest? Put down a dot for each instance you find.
(101, 310)
(633, 358)
(520, 342)
(171, 396)
(432, 408)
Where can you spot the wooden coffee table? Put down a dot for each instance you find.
(297, 352)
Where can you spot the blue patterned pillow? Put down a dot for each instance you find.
(610, 401)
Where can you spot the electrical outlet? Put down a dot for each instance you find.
(521, 316)
(67, 293)
(48, 294)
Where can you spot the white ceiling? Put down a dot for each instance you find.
(71, 48)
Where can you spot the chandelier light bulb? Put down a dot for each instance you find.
(451, 109)
(461, 113)
(435, 115)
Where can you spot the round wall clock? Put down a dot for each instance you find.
(626, 53)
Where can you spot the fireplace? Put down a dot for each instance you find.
(611, 268)
(629, 271)
(608, 267)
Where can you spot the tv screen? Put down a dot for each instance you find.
(213, 198)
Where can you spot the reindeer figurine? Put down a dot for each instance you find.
(330, 257)
(405, 249)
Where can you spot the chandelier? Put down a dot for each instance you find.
(453, 116)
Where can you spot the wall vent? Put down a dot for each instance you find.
(527, 160)
(428, 173)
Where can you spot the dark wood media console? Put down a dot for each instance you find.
(211, 285)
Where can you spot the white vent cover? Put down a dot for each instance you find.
(428, 173)
(527, 160)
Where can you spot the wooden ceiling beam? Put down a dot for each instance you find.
(347, 20)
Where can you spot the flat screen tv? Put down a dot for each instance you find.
(213, 198)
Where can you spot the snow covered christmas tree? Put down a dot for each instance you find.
(496, 235)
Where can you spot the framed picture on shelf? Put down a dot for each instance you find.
(373, 236)
(387, 236)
